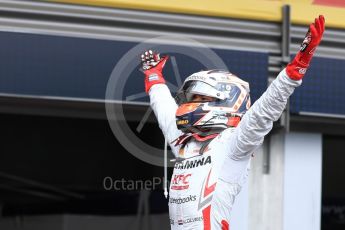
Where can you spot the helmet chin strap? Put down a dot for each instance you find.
(204, 138)
(183, 139)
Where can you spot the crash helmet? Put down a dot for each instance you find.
(211, 101)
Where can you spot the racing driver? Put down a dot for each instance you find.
(213, 131)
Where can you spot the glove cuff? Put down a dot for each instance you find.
(296, 69)
(153, 77)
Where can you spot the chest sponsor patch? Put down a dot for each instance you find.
(180, 181)
(186, 221)
(182, 200)
(189, 164)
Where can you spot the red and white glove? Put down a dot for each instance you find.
(299, 65)
(153, 65)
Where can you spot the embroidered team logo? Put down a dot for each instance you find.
(302, 70)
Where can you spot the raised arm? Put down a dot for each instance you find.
(161, 101)
(258, 121)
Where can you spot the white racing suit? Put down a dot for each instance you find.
(203, 187)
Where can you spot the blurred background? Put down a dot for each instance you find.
(61, 165)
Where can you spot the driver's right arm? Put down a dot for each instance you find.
(161, 101)
(164, 107)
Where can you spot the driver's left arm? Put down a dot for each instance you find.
(258, 121)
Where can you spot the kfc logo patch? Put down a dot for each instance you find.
(180, 182)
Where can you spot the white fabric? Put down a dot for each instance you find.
(211, 181)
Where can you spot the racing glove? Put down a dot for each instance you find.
(299, 65)
(153, 64)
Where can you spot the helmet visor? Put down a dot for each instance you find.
(191, 88)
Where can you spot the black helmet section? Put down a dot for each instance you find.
(187, 115)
